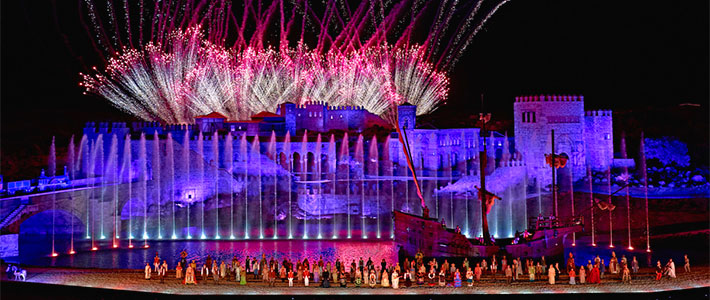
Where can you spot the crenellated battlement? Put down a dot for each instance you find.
(321, 104)
(341, 108)
(597, 113)
(550, 98)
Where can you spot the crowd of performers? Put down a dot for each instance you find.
(415, 272)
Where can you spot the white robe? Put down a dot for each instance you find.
(551, 275)
(671, 270)
(148, 270)
(395, 280)
(385, 280)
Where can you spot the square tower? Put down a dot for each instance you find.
(407, 116)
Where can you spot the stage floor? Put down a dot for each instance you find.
(132, 280)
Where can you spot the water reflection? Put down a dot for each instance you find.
(33, 251)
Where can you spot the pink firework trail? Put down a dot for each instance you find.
(172, 60)
(197, 57)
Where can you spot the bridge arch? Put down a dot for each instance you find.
(40, 223)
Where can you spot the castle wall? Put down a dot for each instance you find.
(336, 118)
(536, 116)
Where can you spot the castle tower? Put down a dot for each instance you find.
(599, 139)
(288, 111)
(535, 117)
(407, 115)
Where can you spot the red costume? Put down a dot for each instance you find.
(594, 276)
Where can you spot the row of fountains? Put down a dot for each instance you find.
(185, 191)
(222, 187)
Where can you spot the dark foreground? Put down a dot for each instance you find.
(66, 283)
(31, 291)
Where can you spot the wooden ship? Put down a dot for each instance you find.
(544, 237)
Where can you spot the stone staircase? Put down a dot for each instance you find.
(12, 217)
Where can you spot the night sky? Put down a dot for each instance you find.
(641, 60)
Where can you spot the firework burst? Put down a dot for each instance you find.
(195, 59)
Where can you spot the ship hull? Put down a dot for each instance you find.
(416, 233)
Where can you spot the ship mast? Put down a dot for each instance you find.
(402, 135)
(482, 163)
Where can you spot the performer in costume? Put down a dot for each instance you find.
(163, 271)
(626, 275)
(190, 276)
(178, 271)
(671, 268)
(343, 281)
(148, 270)
(306, 276)
(243, 277)
(325, 280)
(358, 277)
(432, 277)
(613, 264)
(478, 271)
(407, 279)
(290, 278)
(594, 275)
(385, 279)
(457, 278)
(215, 272)
(582, 275)
(373, 279)
(222, 270)
(395, 279)
(420, 277)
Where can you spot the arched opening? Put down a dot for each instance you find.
(296, 164)
(41, 223)
(283, 160)
(323, 164)
(311, 165)
(36, 238)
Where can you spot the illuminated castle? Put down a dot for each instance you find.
(585, 136)
(296, 173)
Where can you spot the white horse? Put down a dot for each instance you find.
(21, 274)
